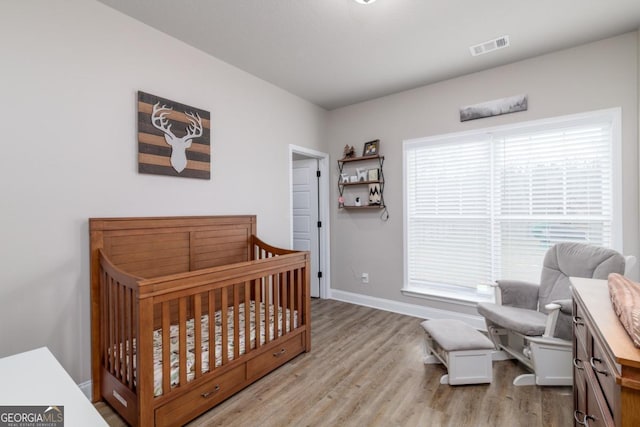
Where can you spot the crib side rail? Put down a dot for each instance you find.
(263, 250)
(226, 312)
(119, 321)
(118, 332)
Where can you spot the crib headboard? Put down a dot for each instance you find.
(151, 247)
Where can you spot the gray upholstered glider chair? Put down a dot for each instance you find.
(532, 322)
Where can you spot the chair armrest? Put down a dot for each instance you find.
(566, 305)
(516, 293)
(554, 309)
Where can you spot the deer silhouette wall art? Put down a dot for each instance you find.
(178, 145)
(181, 147)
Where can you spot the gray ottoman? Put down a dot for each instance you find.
(465, 351)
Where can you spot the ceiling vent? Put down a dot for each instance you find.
(490, 46)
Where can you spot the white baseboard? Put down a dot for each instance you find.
(406, 308)
(85, 387)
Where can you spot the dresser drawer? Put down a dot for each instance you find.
(579, 387)
(597, 413)
(579, 325)
(275, 357)
(203, 397)
(605, 375)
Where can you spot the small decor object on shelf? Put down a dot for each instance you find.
(362, 174)
(374, 194)
(371, 148)
(344, 178)
(341, 202)
(349, 152)
(357, 202)
(373, 175)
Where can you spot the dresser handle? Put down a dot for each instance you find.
(209, 393)
(577, 320)
(575, 363)
(593, 362)
(280, 353)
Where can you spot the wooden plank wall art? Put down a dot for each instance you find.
(511, 104)
(173, 138)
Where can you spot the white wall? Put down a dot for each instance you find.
(70, 73)
(590, 77)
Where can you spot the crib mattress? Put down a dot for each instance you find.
(174, 332)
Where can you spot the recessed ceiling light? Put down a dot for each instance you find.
(365, 1)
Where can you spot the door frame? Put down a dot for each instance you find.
(323, 211)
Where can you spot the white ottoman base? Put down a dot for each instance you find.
(468, 366)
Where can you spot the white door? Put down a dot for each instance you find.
(305, 215)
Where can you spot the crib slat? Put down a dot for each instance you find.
(225, 327)
(112, 344)
(182, 346)
(257, 285)
(166, 347)
(247, 317)
(301, 310)
(276, 302)
(267, 309)
(103, 321)
(121, 339)
(285, 285)
(212, 331)
(129, 338)
(291, 300)
(236, 322)
(197, 334)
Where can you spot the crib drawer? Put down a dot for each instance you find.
(277, 356)
(200, 399)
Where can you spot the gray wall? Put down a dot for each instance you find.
(590, 77)
(70, 73)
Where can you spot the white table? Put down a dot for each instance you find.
(36, 378)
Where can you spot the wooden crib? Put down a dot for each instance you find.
(162, 288)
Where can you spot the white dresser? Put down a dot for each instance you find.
(36, 378)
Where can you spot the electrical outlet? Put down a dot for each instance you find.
(365, 277)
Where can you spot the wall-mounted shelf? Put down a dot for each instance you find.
(362, 182)
(359, 159)
(363, 207)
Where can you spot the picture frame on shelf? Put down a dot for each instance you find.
(371, 148)
(375, 195)
(373, 175)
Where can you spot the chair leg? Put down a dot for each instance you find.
(431, 360)
(525, 379)
(494, 334)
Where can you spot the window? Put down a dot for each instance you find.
(488, 204)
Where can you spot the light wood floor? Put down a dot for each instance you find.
(365, 369)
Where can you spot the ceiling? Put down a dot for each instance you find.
(338, 52)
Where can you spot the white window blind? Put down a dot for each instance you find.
(489, 204)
